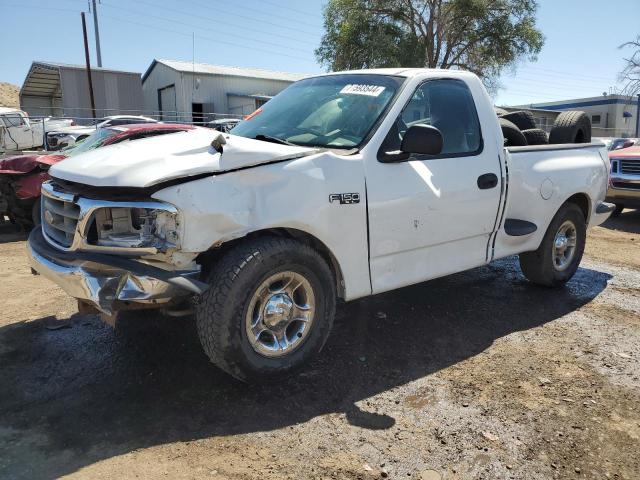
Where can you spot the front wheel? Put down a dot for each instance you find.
(559, 255)
(269, 308)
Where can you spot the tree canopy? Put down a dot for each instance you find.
(483, 36)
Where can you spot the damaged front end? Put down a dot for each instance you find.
(112, 256)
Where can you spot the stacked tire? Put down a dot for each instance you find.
(519, 128)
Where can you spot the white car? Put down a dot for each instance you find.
(65, 137)
(19, 132)
(342, 186)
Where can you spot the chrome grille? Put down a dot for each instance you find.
(630, 167)
(59, 217)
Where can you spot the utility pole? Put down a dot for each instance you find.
(97, 30)
(88, 63)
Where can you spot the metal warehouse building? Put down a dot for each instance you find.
(611, 115)
(193, 92)
(58, 89)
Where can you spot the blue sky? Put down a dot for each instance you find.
(580, 57)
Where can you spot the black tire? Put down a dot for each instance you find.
(618, 210)
(221, 310)
(35, 213)
(522, 119)
(539, 266)
(512, 135)
(500, 111)
(536, 136)
(571, 127)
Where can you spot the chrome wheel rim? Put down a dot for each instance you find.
(564, 245)
(280, 314)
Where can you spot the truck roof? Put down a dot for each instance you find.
(9, 110)
(407, 72)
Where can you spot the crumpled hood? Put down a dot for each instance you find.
(146, 162)
(21, 164)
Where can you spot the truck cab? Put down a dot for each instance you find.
(16, 132)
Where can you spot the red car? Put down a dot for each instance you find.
(624, 181)
(21, 176)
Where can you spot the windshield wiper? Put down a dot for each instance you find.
(269, 138)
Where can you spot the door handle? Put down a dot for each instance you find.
(487, 181)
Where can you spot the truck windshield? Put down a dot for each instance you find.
(335, 111)
(93, 141)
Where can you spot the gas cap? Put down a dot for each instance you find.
(546, 189)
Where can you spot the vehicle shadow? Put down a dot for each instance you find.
(99, 393)
(627, 221)
(10, 232)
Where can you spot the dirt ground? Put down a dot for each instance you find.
(478, 375)
(9, 95)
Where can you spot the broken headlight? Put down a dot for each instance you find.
(126, 227)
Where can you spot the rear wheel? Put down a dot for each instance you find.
(269, 309)
(559, 255)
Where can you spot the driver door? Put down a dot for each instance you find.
(18, 134)
(433, 215)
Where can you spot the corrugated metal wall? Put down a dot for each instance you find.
(37, 106)
(160, 77)
(115, 93)
(210, 90)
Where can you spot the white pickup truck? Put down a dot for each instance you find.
(19, 132)
(342, 186)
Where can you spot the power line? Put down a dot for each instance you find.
(209, 39)
(269, 2)
(270, 14)
(566, 74)
(190, 25)
(227, 14)
(34, 7)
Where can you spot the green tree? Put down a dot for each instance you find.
(483, 36)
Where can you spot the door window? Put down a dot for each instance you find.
(13, 120)
(446, 105)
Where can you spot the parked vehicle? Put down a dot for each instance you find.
(21, 176)
(224, 124)
(18, 132)
(342, 186)
(620, 143)
(66, 137)
(624, 183)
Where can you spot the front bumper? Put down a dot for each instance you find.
(109, 282)
(624, 190)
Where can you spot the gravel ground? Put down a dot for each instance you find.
(477, 375)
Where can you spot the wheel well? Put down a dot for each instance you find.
(582, 201)
(207, 259)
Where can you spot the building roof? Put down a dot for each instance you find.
(208, 69)
(43, 78)
(583, 102)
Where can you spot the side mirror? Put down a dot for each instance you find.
(422, 139)
(418, 139)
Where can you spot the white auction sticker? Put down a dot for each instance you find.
(356, 89)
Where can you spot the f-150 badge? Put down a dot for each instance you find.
(344, 198)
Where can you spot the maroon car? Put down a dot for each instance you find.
(21, 176)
